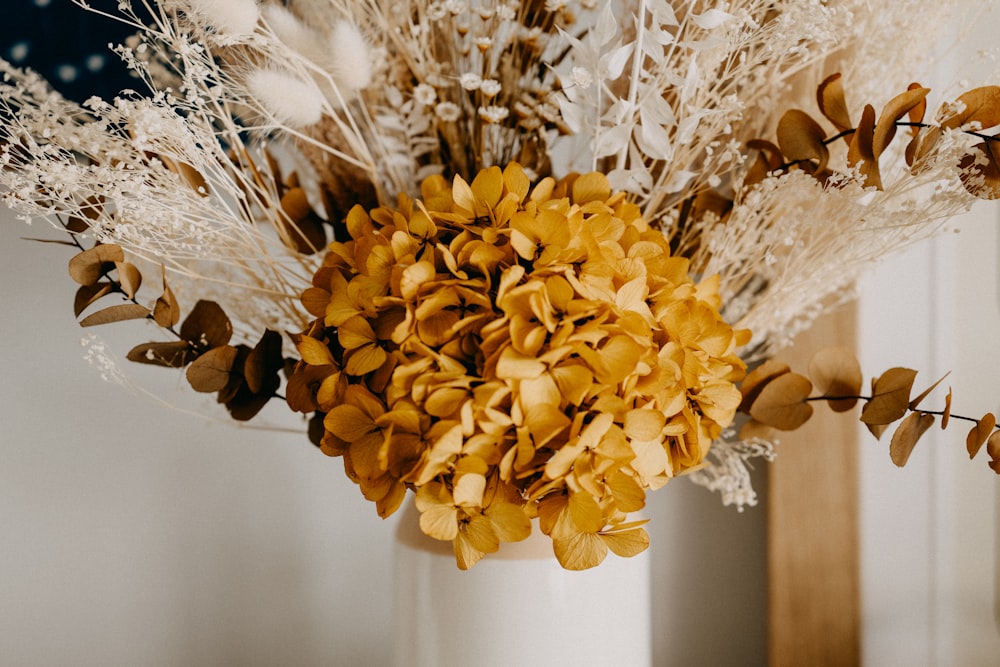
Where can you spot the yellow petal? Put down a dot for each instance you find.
(513, 365)
(440, 522)
(627, 543)
(358, 222)
(516, 181)
(355, 332)
(487, 187)
(585, 512)
(314, 352)
(365, 360)
(620, 356)
(509, 521)
(581, 551)
(462, 195)
(446, 446)
(413, 277)
(651, 460)
(439, 328)
(445, 401)
(545, 422)
(644, 424)
(560, 463)
(628, 495)
(329, 390)
(391, 501)
(591, 187)
(364, 455)
(469, 490)
(523, 245)
(348, 422)
(541, 390)
(478, 532)
(574, 382)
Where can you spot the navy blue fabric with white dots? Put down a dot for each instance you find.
(67, 45)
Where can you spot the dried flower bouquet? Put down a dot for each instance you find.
(516, 257)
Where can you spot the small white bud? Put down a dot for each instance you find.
(231, 18)
(288, 28)
(351, 62)
(290, 100)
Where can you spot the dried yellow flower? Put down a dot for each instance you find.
(510, 351)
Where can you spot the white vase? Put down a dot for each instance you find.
(516, 607)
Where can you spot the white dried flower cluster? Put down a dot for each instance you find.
(122, 166)
(794, 246)
(729, 471)
(699, 76)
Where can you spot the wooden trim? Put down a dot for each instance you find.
(812, 500)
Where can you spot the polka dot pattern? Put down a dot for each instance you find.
(67, 45)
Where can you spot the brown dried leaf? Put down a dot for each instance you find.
(210, 371)
(207, 326)
(922, 145)
(301, 229)
(129, 278)
(906, 436)
(980, 106)
(88, 294)
(836, 372)
(757, 379)
(754, 429)
(119, 313)
(861, 153)
(94, 206)
(917, 112)
(237, 384)
(890, 396)
(833, 104)
(979, 434)
(76, 225)
(980, 170)
(899, 106)
(87, 267)
(166, 312)
(877, 430)
(946, 415)
(175, 354)
(782, 403)
(919, 399)
(263, 363)
(993, 449)
(768, 160)
(188, 174)
(801, 138)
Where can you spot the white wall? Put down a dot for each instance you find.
(136, 535)
(930, 533)
(930, 530)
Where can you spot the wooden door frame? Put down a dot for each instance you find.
(814, 591)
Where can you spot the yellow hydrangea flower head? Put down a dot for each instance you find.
(511, 351)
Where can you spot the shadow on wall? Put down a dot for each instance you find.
(709, 577)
